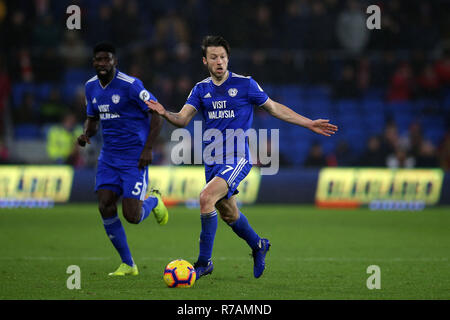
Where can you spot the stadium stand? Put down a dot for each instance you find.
(360, 91)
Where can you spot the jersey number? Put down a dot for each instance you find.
(137, 189)
(227, 169)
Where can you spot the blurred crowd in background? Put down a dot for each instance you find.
(388, 90)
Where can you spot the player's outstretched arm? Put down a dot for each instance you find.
(178, 119)
(280, 111)
(90, 129)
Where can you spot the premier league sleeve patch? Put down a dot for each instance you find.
(144, 95)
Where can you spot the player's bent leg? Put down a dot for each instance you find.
(228, 209)
(214, 190)
(107, 203)
(108, 208)
(231, 214)
(135, 211)
(238, 222)
(159, 209)
(136, 206)
(132, 210)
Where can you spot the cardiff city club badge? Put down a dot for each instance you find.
(115, 98)
(232, 92)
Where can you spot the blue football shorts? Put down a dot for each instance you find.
(122, 177)
(233, 174)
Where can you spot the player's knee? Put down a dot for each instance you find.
(132, 216)
(132, 210)
(107, 209)
(206, 199)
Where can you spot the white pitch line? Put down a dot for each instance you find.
(299, 259)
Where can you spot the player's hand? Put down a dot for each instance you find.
(82, 139)
(156, 106)
(146, 158)
(323, 127)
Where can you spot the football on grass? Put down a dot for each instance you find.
(179, 274)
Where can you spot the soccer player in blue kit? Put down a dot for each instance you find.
(129, 131)
(226, 101)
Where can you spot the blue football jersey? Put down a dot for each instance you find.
(123, 114)
(224, 107)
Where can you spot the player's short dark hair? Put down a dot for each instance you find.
(104, 46)
(214, 41)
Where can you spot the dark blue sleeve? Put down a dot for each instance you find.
(256, 94)
(90, 110)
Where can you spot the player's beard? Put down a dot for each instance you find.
(217, 75)
(105, 77)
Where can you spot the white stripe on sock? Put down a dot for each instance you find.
(209, 215)
(111, 220)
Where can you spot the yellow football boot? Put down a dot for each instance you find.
(125, 270)
(160, 211)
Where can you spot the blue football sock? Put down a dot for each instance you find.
(207, 235)
(116, 234)
(147, 206)
(243, 229)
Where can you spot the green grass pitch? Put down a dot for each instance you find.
(315, 254)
